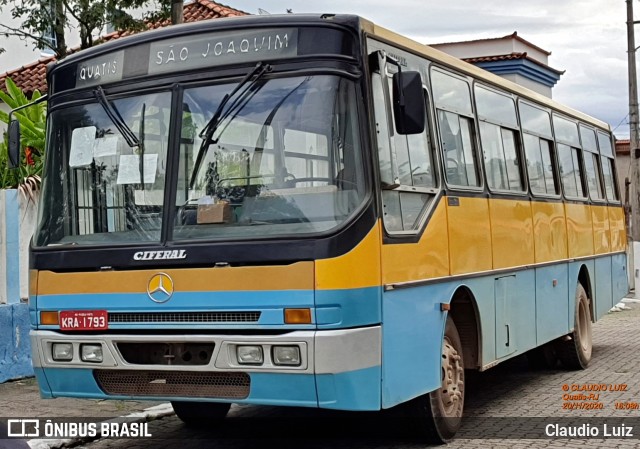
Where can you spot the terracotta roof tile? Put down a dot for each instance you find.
(623, 146)
(33, 76)
(508, 57)
(513, 35)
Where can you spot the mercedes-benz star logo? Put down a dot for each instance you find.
(160, 288)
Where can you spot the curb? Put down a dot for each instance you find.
(148, 414)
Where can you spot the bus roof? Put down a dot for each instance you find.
(391, 37)
(348, 21)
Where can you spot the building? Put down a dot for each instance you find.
(510, 57)
(623, 164)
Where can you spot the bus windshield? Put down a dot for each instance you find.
(284, 158)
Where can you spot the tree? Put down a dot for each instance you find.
(42, 18)
(32, 126)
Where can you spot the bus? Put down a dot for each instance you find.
(311, 211)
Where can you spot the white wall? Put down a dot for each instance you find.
(491, 47)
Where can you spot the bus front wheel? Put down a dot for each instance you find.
(437, 415)
(200, 414)
(574, 350)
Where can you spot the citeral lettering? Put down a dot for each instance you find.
(161, 255)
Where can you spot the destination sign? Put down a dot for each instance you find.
(191, 52)
(206, 50)
(104, 69)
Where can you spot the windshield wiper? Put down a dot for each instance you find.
(116, 118)
(220, 114)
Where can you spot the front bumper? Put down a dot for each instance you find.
(339, 369)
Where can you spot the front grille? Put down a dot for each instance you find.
(174, 383)
(184, 317)
(183, 353)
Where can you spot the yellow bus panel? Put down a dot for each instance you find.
(601, 232)
(297, 276)
(469, 235)
(360, 267)
(549, 231)
(427, 259)
(579, 230)
(617, 229)
(511, 233)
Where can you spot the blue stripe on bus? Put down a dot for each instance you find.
(355, 390)
(348, 308)
(334, 308)
(512, 308)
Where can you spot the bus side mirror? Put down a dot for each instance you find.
(14, 144)
(408, 102)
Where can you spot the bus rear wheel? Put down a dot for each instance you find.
(200, 414)
(437, 416)
(574, 350)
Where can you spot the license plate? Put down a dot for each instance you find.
(83, 320)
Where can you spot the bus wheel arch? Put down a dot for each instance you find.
(585, 280)
(465, 315)
(435, 417)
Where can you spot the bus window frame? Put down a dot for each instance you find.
(175, 85)
(571, 145)
(385, 78)
(614, 167)
(115, 93)
(475, 138)
(518, 141)
(554, 152)
(599, 173)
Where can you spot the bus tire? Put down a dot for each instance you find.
(436, 416)
(200, 414)
(575, 349)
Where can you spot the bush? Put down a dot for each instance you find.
(27, 177)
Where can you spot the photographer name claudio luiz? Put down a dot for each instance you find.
(589, 431)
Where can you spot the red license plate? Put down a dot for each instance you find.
(83, 320)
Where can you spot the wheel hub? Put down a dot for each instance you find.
(452, 379)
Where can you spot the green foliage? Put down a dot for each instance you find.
(88, 18)
(26, 177)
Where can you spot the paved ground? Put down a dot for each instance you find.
(21, 399)
(497, 400)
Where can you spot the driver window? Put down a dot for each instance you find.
(402, 210)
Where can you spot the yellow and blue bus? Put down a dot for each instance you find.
(311, 210)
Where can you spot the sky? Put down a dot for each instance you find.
(587, 38)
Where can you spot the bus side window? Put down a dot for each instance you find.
(540, 165)
(570, 171)
(608, 166)
(382, 130)
(569, 155)
(455, 118)
(458, 149)
(498, 134)
(538, 147)
(592, 163)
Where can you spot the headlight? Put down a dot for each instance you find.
(91, 353)
(286, 355)
(62, 352)
(249, 355)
